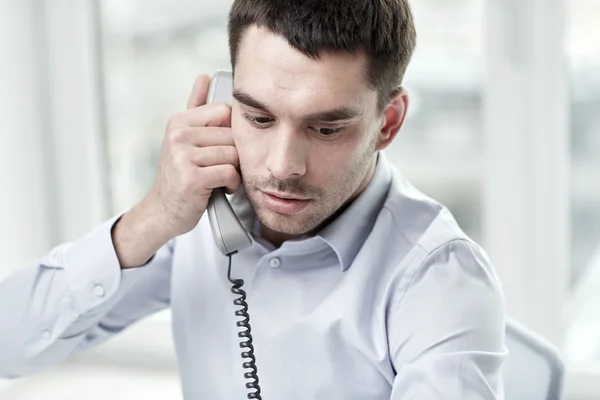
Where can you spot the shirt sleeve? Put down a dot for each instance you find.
(447, 327)
(76, 296)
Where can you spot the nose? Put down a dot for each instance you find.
(287, 155)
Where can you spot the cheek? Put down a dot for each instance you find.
(332, 162)
(352, 161)
(248, 152)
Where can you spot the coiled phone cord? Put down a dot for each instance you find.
(245, 334)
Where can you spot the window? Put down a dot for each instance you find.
(583, 50)
(439, 148)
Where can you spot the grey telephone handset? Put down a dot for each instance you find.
(228, 233)
(231, 237)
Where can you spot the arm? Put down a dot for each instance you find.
(84, 292)
(75, 297)
(446, 330)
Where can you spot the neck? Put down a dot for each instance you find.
(278, 238)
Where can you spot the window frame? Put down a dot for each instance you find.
(75, 116)
(527, 166)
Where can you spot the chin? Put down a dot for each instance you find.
(293, 225)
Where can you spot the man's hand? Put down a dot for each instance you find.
(197, 155)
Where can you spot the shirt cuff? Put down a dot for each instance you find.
(93, 270)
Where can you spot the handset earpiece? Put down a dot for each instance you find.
(228, 233)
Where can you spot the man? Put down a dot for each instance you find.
(359, 286)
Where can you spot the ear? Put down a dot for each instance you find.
(393, 118)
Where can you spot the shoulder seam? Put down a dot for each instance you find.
(398, 302)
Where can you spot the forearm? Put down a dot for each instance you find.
(63, 302)
(138, 235)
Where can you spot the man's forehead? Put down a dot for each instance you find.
(269, 57)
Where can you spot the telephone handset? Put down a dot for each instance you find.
(228, 233)
(231, 237)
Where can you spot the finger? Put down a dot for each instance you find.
(215, 155)
(202, 137)
(217, 176)
(199, 92)
(215, 114)
(232, 188)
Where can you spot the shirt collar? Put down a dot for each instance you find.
(347, 233)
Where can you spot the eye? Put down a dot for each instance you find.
(327, 131)
(260, 122)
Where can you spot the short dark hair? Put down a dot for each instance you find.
(383, 29)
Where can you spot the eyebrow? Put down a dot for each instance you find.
(249, 101)
(338, 114)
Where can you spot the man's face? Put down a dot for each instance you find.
(305, 130)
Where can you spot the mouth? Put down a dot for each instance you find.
(283, 203)
(286, 196)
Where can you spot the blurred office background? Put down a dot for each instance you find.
(504, 128)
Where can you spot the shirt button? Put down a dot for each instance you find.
(275, 262)
(46, 335)
(99, 290)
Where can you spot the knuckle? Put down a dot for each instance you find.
(176, 120)
(180, 157)
(178, 135)
(223, 108)
(230, 173)
(222, 112)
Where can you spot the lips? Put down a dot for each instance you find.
(285, 196)
(284, 203)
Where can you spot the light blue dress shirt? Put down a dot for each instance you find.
(390, 301)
